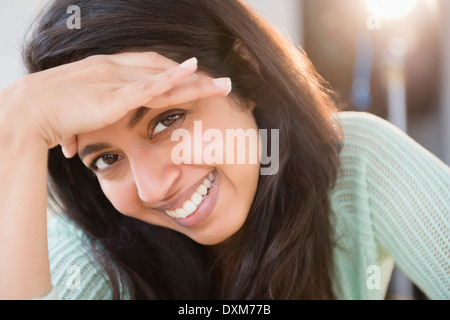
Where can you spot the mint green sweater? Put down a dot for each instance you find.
(391, 203)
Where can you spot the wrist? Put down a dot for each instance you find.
(17, 126)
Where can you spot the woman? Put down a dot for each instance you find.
(351, 192)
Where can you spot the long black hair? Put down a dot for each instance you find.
(284, 249)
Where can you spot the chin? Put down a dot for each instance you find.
(216, 235)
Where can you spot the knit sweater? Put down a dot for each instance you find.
(391, 204)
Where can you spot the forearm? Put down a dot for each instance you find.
(24, 270)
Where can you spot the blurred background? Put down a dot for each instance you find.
(387, 57)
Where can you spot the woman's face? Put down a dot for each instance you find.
(137, 165)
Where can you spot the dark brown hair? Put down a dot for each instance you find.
(284, 249)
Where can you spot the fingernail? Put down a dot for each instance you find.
(189, 63)
(223, 83)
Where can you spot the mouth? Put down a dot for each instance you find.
(190, 206)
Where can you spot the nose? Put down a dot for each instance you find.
(154, 175)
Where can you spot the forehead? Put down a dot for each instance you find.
(120, 128)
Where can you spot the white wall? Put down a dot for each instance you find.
(286, 15)
(15, 16)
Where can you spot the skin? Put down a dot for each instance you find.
(140, 177)
(53, 107)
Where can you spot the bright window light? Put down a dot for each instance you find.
(391, 9)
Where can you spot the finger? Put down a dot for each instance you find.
(127, 74)
(69, 146)
(141, 92)
(147, 61)
(151, 60)
(195, 89)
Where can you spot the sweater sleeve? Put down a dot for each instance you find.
(75, 274)
(407, 190)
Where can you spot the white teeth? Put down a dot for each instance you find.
(181, 213)
(207, 183)
(197, 197)
(171, 213)
(202, 190)
(189, 206)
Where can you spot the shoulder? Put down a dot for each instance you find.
(384, 149)
(368, 144)
(74, 271)
(358, 116)
(391, 199)
(59, 225)
(364, 136)
(368, 129)
(381, 164)
(380, 150)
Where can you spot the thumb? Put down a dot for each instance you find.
(69, 146)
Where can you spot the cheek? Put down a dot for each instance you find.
(123, 198)
(244, 181)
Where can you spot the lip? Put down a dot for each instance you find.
(205, 209)
(183, 197)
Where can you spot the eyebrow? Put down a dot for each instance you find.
(93, 148)
(137, 117)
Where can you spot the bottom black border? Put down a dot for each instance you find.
(242, 309)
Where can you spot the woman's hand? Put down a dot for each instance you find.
(59, 103)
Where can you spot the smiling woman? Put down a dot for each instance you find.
(350, 191)
(136, 172)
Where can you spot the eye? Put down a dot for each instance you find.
(103, 162)
(165, 122)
